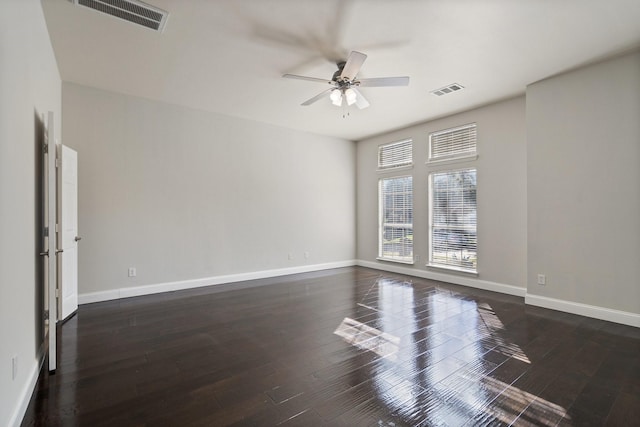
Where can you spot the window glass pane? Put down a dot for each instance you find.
(452, 143)
(396, 219)
(454, 219)
(395, 154)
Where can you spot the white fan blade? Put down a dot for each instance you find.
(352, 67)
(361, 101)
(383, 81)
(317, 97)
(311, 79)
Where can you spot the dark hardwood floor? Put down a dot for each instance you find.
(344, 347)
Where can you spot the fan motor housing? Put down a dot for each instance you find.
(336, 75)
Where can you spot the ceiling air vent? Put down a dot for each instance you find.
(453, 87)
(133, 11)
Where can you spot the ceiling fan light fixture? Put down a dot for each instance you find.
(336, 97)
(344, 83)
(351, 96)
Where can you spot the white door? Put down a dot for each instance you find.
(68, 231)
(51, 252)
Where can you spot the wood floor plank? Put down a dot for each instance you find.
(343, 347)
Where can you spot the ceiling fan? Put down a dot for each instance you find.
(344, 85)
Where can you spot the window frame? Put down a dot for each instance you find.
(407, 163)
(451, 266)
(381, 224)
(457, 156)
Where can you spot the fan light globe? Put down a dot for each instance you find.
(336, 97)
(350, 94)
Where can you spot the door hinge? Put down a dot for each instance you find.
(57, 163)
(57, 293)
(46, 232)
(46, 315)
(45, 148)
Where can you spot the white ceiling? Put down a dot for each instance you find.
(227, 56)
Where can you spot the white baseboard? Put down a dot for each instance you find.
(27, 391)
(449, 278)
(602, 313)
(617, 316)
(126, 292)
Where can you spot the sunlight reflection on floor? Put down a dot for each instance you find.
(398, 317)
(368, 338)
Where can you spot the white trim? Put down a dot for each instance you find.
(453, 129)
(395, 168)
(15, 420)
(449, 160)
(449, 278)
(431, 192)
(452, 268)
(602, 313)
(399, 261)
(449, 131)
(381, 148)
(381, 223)
(126, 292)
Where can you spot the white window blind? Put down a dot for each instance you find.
(453, 143)
(395, 242)
(395, 154)
(453, 238)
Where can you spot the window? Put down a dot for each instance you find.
(453, 240)
(395, 241)
(453, 143)
(395, 154)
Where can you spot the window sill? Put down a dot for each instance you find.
(399, 261)
(452, 160)
(453, 269)
(394, 169)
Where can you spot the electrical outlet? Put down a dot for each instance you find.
(542, 279)
(14, 366)
(290, 256)
(306, 254)
(416, 258)
(132, 272)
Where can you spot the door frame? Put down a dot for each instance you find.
(51, 250)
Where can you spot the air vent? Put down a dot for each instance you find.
(453, 87)
(133, 11)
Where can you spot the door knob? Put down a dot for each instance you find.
(78, 238)
(45, 253)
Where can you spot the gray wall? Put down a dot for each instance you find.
(182, 194)
(583, 163)
(29, 88)
(558, 192)
(502, 209)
